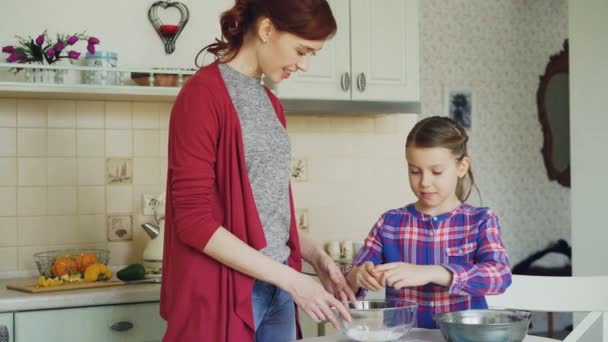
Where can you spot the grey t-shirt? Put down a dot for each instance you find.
(267, 155)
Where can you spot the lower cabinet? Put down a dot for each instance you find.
(115, 323)
(6, 327)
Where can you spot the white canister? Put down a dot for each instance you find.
(346, 249)
(102, 59)
(333, 249)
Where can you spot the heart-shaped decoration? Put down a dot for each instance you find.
(168, 32)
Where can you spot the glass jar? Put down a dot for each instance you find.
(102, 59)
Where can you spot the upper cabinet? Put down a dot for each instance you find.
(373, 56)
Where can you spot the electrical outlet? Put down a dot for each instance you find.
(148, 204)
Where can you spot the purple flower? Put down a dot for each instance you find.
(58, 46)
(93, 41)
(91, 49)
(9, 49)
(50, 53)
(13, 58)
(73, 54)
(72, 40)
(40, 40)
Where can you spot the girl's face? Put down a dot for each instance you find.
(282, 53)
(433, 174)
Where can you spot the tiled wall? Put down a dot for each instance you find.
(55, 192)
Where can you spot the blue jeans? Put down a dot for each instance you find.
(274, 313)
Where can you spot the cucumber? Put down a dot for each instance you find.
(132, 272)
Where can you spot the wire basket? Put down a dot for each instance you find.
(45, 260)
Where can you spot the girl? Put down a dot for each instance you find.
(232, 253)
(439, 251)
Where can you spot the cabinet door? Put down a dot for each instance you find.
(326, 71)
(384, 43)
(132, 322)
(6, 327)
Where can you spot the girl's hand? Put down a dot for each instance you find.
(401, 274)
(332, 279)
(366, 277)
(310, 296)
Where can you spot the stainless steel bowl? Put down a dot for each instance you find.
(379, 320)
(484, 325)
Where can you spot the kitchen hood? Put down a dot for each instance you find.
(304, 106)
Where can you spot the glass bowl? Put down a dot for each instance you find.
(484, 325)
(379, 320)
(45, 260)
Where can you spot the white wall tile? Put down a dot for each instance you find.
(8, 142)
(31, 113)
(164, 143)
(90, 143)
(164, 111)
(61, 142)
(145, 115)
(32, 171)
(90, 114)
(34, 230)
(8, 259)
(92, 228)
(8, 231)
(119, 143)
(26, 255)
(146, 171)
(65, 230)
(163, 172)
(8, 201)
(31, 201)
(62, 114)
(61, 201)
(119, 199)
(122, 253)
(8, 171)
(91, 200)
(8, 113)
(119, 115)
(61, 171)
(146, 143)
(91, 171)
(31, 142)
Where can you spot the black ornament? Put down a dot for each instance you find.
(168, 32)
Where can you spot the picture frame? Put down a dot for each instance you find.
(459, 105)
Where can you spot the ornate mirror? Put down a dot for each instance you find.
(553, 99)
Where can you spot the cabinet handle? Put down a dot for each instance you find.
(361, 82)
(122, 326)
(4, 334)
(345, 81)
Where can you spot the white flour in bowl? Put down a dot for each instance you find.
(362, 334)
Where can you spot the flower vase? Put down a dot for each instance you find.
(40, 75)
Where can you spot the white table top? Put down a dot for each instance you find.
(415, 335)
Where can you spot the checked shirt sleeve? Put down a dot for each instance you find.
(371, 251)
(489, 274)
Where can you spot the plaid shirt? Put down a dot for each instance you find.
(466, 241)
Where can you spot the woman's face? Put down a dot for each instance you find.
(281, 53)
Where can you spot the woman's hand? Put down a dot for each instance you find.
(310, 296)
(364, 276)
(332, 278)
(401, 274)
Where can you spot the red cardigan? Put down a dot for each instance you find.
(208, 187)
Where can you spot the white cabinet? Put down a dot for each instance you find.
(373, 57)
(115, 323)
(6, 327)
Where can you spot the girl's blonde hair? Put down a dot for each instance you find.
(441, 131)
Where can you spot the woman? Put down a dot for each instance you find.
(232, 254)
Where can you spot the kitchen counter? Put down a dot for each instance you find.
(12, 300)
(415, 335)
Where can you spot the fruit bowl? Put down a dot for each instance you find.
(45, 260)
(379, 320)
